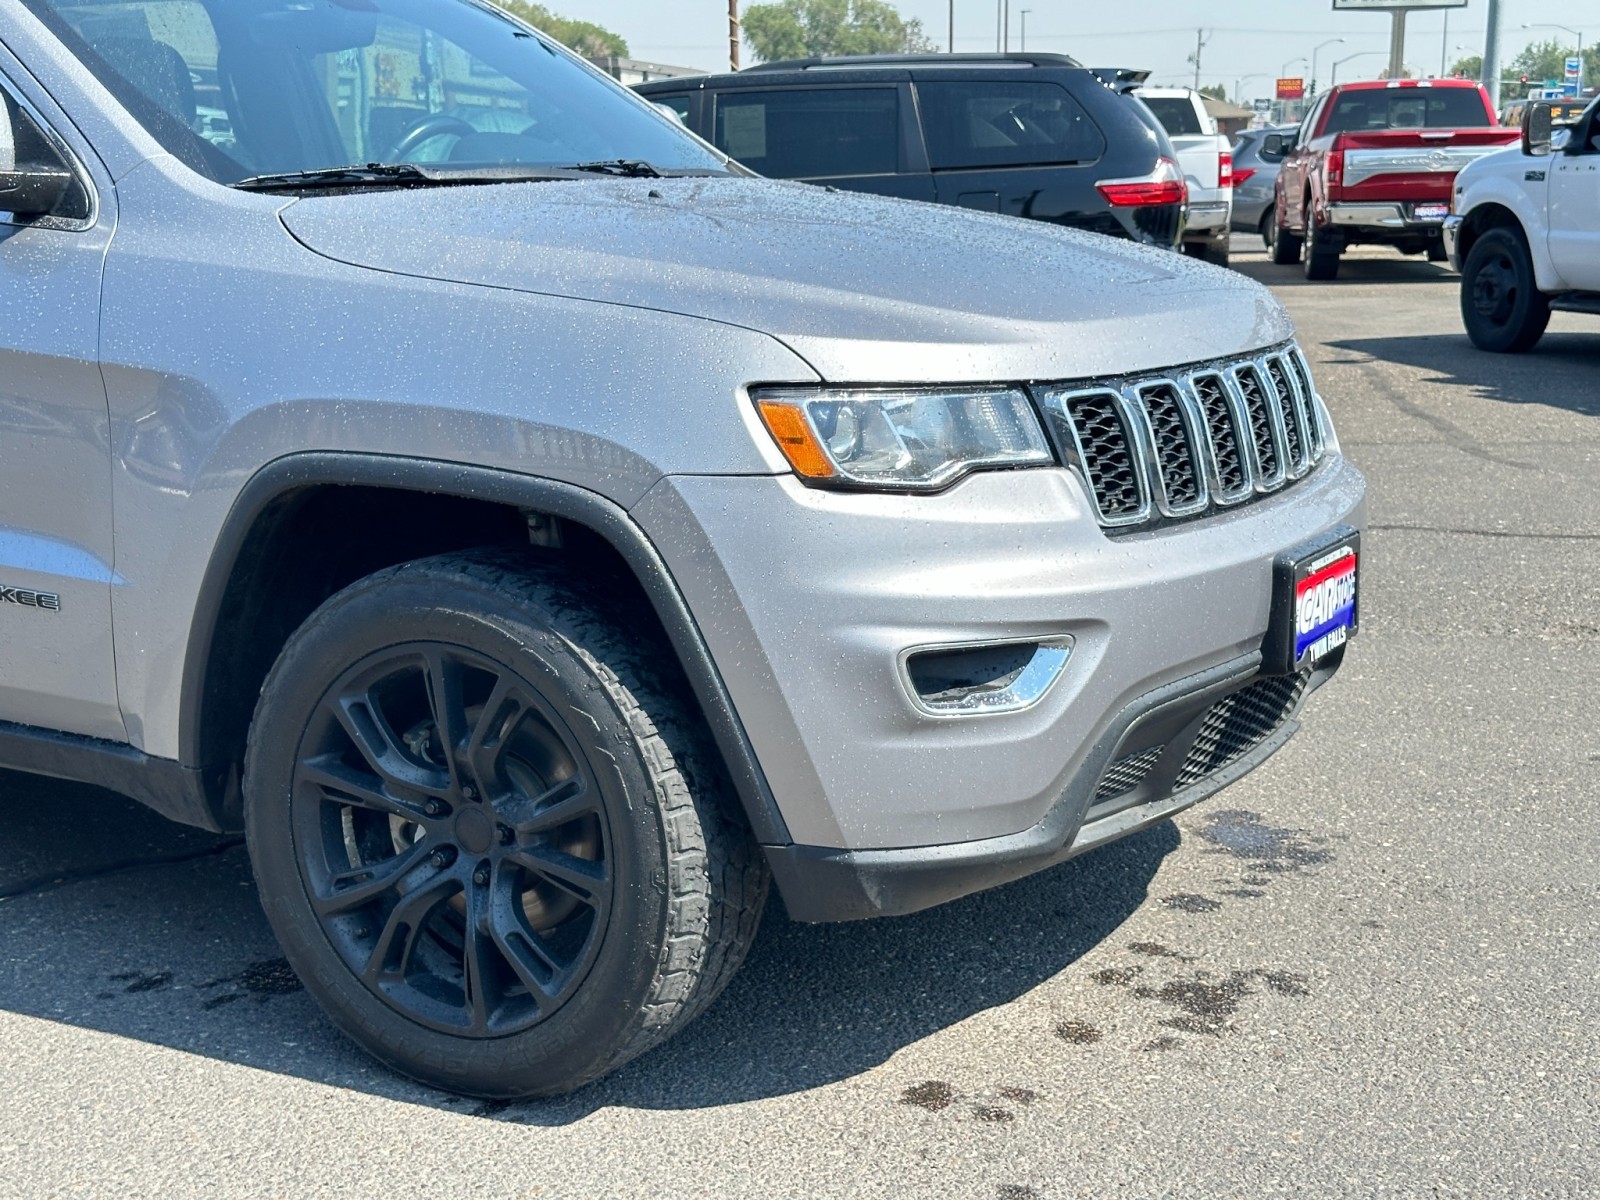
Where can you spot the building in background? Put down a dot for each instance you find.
(630, 71)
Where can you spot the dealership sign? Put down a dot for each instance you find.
(1291, 89)
(1388, 5)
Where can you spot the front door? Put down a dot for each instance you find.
(1575, 205)
(56, 667)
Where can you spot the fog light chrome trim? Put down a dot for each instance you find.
(1031, 685)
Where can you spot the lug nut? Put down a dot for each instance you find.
(443, 857)
(481, 877)
(435, 808)
(506, 833)
(469, 792)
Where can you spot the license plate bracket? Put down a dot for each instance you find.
(1316, 605)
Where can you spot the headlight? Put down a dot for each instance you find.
(902, 440)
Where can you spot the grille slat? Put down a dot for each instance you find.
(1127, 773)
(1283, 396)
(1181, 470)
(1171, 447)
(1238, 723)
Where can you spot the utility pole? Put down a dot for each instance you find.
(733, 34)
(1200, 40)
(1444, 45)
(1008, 27)
(952, 26)
(1025, 13)
(1491, 56)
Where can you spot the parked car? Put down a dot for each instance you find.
(536, 533)
(1525, 234)
(1562, 112)
(1373, 164)
(1257, 155)
(1206, 157)
(1034, 136)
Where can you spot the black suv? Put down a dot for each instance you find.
(1029, 135)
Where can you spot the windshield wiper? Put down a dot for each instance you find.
(631, 168)
(397, 175)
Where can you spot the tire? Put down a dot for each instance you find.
(1322, 253)
(522, 904)
(1268, 228)
(1286, 244)
(1501, 304)
(1212, 250)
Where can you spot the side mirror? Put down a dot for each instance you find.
(34, 190)
(1273, 144)
(1536, 130)
(33, 179)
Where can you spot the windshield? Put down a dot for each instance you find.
(240, 88)
(1408, 108)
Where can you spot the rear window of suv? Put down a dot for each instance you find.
(811, 133)
(1408, 108)
(975, 125)
(1176, 114)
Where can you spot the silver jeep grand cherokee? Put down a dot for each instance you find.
(534, 532)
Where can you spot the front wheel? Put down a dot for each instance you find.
(1268, 229)
(486, 830)
(1323, 247)
(1501, 305)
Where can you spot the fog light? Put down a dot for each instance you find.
(983, 678)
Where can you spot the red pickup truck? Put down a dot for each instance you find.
(1373, 163)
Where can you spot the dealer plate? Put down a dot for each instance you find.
(1316, 602)
(1430, 212)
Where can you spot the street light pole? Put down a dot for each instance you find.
(1312, 90)
(952, 26)
(1575, 33)
(733, 34)
(1025, 13)
(1334, 79)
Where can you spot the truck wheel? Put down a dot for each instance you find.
(486, 830)
(1211, 250)
(1285, 242)
(1501, 305)
(1323, 248)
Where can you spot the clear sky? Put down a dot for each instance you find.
(1245, 37)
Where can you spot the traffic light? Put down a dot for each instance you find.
(1524, 79)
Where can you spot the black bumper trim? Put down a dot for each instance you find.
(819, 883)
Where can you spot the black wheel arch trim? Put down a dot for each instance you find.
(295, 472)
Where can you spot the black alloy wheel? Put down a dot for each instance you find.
(488, 825)
(451, 839)
(1501, 305)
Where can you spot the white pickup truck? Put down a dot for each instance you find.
(1525, 232)
(1206, 157)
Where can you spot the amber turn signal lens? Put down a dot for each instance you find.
(796, 439)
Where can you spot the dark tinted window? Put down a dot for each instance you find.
(1407, 108)
(1177, 115)
(678, 104)
(1005, 125)
(811, 134)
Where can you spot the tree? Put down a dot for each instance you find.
(1548, 60)
(587, 38)
(1216, 91)
(818, 28)
(1468, 68)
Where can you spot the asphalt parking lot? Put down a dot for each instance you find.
(1370, 969)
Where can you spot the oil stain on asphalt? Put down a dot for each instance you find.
(934, 1095)
(1268, 849)
(263, 980)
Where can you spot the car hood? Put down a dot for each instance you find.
(863, 288)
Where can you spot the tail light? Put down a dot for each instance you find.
(1241, 175)
(1164, 185)
(1225, 177)
(1336, 166)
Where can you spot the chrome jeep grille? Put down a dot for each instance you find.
(1166, 447)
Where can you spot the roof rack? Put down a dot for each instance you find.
(1120, 79)
(867, 61)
